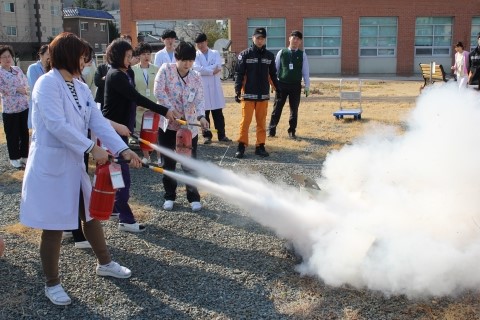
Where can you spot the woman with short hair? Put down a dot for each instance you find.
(121, 100)
(181, 88)
(34, 71)
(56, 187)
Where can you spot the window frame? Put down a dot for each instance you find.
(377, 37)
(434, 50)
(9, 7)
(475, 29)
(82, 26)
(9, 30)
(322, 36)
(103, 27)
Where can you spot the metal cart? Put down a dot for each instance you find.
(352, 98)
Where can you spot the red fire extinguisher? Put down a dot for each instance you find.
(149, 131)
(103, 193)
(184, 141)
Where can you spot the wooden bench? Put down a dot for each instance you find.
(438, 74)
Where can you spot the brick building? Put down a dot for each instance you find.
(340, 37)
(89, 24)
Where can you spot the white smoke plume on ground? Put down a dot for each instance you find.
(399, 213)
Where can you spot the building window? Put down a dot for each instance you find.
(96, 46)
(104, 47)
(55, 31)
(378, 36)
(322, 36)
(9, 6)
(433, 36)
(475, 32)
(83, 26)
(103, 27)
(275, 32)
(11, 31)
(55, 10)
(95, 24)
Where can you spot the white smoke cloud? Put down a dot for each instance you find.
(398, 212)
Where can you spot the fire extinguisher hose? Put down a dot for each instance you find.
(185, 123)
(154, 168)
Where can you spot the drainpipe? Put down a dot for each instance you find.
(38, 23)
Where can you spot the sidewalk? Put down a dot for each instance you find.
(367, 77)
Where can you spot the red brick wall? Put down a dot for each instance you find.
(349, 11)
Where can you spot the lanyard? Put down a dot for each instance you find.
(145, 76)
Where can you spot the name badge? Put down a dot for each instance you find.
(191, 95)
(116, 176)
(290, 66)
(147, 92)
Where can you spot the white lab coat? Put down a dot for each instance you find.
(212, 86)
(162, 57)
(55, 169)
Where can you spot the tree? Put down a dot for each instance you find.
(113, 32)
(98, 5)
(90, 4)
(83, 4)
(214, 31)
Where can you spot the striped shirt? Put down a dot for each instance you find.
(71, 86)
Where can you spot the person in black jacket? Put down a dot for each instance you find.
(255, 69)
(474, 72)
(121, 100)
(99, 80)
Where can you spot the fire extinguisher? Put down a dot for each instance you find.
(103, 193)
(184, 141)
(149, 131)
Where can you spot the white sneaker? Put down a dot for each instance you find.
(160, 162)
(196, 206)
(145, 160)
(168, 205)
(113, 269)
(83, 245)
(67, 235)
(24, 160)
(16, 163)
(57, 295)
(131, 227)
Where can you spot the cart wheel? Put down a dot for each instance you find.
(225, 74)
(359, 117)
(337, 117)
(341, 117)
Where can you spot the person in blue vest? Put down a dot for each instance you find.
(292, 66)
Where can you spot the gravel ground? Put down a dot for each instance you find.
(213, 264)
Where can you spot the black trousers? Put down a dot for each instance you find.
(293, 92)
(218, 121)
(168, 140)
(15, 126)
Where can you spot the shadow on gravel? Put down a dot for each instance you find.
(190, 288)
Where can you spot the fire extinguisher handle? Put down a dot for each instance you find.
(134, 136)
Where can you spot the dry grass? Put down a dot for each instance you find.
(385, 103)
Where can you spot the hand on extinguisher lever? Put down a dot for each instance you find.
(204, 123)
(173, 114)
(131, 156)
(99, 154)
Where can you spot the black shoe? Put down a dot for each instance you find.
(292, 135)
(260, 151)
(207, 141)
(240, 151)
(225, 139)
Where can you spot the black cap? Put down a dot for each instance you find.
(200, 37)
(260, 32)
(296, 33)
(168, 33)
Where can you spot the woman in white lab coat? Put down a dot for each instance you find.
(56, 188)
